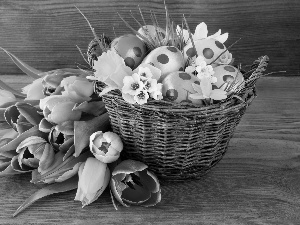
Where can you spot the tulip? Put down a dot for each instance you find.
(133, 184)
(34, 152)
(52, 79)
(94, 177)
(34, 91)
(58, 109)
(79, 89)
(6, 96)
(106, 147)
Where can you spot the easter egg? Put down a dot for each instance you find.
(209, 49)
(152, 32)
(166, 58)
(228, 77)
(177, 86)
(94, 50)
(130, 48)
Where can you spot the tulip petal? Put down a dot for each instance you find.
(149, 180)
(62, 112)
(29, 112)
(16, 166)
(106, 159)
(129, 166)
(137, 195)
(116, 190)
(153, 200)
(11, 115)
(30, 141)
(45, 126)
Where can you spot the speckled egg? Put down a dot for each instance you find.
(226, 75)
(152, 32)
(130, 48)
(177, 86)
(210, 49)
(166, 58)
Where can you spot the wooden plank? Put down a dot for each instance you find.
(45, 33)
(257, 182)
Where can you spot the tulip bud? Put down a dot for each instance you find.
(94, 177)
(79, 89)
(58, 109)
(106, 147)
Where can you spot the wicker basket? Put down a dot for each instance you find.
(180, 142)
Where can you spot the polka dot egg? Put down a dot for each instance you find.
(166, 58)
(130, 48)
(177, 87)
(226, 75)
(210, 49)
(152, 32)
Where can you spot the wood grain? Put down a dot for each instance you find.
(257, 182)
(44, 33)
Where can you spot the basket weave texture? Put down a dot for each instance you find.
(180, 142)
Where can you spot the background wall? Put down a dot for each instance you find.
(45, 33)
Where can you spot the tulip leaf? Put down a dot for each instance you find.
(84, 129)
(29, 112)
(8, 88)
(12, 145)
(8, 171)
(95, 108)
(30, 71)
(11, 115)
(64, 186)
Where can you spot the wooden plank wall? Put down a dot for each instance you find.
(45, 33)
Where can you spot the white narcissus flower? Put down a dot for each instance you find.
(34, 91)
(201, 33)
(157, 93)
(59, 108)
(79, 89)
(106, 147)
(6, 96)
(94, 177)
(205, 91)
(111, 69)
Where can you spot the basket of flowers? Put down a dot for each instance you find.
(173, 96)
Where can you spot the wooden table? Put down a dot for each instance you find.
(257, 182)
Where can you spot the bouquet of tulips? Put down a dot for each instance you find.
(58, 130)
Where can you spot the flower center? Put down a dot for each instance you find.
(141, 95)
(135, 86)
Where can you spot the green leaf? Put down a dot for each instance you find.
(64, 186)
(14, 143)
(30, 71)
(8, 88)
(84, 129)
